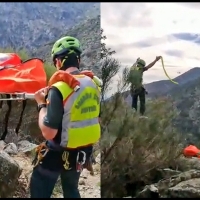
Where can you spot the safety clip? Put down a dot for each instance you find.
(79, 164)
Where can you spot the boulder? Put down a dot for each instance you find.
(9, 174)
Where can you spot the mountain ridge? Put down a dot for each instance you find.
(42, 27)
(88, 32)
(34, 24)
(165, 87)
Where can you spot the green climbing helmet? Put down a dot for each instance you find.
(141, 63)
(66, 44)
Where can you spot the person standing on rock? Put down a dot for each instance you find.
(136, 79)
(68, 119)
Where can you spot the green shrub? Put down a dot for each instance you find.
(133, 148)
(49, 69)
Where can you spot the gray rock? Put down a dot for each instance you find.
(11, 149)
(150, 191)
(9, 174)
(183, 185)
(25, 146)
(186, 189)
(167, 173)
(2, 145)
(98, 158)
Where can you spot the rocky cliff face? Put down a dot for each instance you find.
(88, 32)
(31, 25)
(36, 26)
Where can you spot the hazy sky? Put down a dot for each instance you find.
(146, 30)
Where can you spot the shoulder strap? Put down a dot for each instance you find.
(62, 76)
(64, 89)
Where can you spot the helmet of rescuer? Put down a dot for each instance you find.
(141, 63)
(65, 45)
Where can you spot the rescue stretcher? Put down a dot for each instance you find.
(19, 80)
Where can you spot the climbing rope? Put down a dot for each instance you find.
(162, 61)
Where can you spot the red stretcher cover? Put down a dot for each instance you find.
(17, 76)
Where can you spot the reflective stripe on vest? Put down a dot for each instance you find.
(80, 125)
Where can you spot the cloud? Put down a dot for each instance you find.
(176, 53)
(126, 13)
(185, 36)
(147, 30)
(143, 44)
(153, 41)
(193, 37)
(191, 5)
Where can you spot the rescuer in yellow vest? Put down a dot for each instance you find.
(69, 121)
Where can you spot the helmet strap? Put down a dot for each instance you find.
(64, 57)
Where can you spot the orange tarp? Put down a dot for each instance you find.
(17, 76)
(9, 59)
(191, 151)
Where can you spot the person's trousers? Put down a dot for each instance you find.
(141, 95)
(43, 182)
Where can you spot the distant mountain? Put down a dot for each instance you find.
(88, 32)
(31, 25)
(187, 100)
(162, 87)
(166, 87)
(36, 26)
